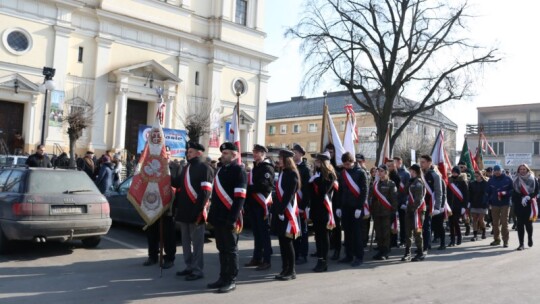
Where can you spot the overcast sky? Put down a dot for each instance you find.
(511, 26)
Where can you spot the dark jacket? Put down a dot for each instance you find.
(418, 190)
(455, 203)
(436, 184)
(336, 199)
(289, 186)
(200, 178)
(104, 180)
(517, 196)
(499, 190)
(478, 195)
(318, 189)
(233, 182)
(348, 197)
(389, 190)
(260, 180)
(404, 177)
(87, 165)
(305, 175)
(36, 160)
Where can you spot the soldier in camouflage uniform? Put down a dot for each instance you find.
(414, 217)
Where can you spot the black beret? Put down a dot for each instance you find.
(323, 156)
(382, 167)
(286, 153)
(260, 148)
(456, 170)
(489, 169)
(89, 152)
(415, 167)
(299, 148)
(195, 145)
(227, 146)
(359, 156)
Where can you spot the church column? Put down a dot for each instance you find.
(31, 112)
(103, 54)
(260, 127)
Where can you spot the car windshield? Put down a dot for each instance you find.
(59, 181)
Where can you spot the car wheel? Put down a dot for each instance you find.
(91, 242)
(3, 242)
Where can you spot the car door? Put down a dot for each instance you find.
(121, 208)
(5, 208)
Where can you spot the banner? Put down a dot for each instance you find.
(56, 115)
(174, 139)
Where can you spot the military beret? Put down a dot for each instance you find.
(228, 146)
(286, 153)
(260, 148)
(299, 148)
(195, 145)
(323, 156)
(382, 167)
(360, 156)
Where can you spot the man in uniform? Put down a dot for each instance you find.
(366, 219)
(404, 177)
(394, 176)
(228, 196)
(434, 198)
(193, 189)
(382, 207)
(258, 201)
(301, 243)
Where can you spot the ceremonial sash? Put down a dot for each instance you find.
(299, 197)
(431, 196)
(534, 203)
(447, 210)
(264, 202)
(395, 223)
(227, 201)
(401, 187)
(454, 188)
(331, 224)
(353, 187)
(380, 197)
(250, 178)
(291, 212)
(417, 212)
(192, 194)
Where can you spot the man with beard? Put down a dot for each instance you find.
(39, 159)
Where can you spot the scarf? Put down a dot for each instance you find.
(526, 181)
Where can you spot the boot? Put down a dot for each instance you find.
(253, 263)
(217, 284)
(336, 254)
(321, 266)
(452, 241)
(346, 260)
(459, 240)
(467, 229)
(475, 234)
(407, 256)
(419, 257)
(530, 241)
(484, 234)
(227, 287)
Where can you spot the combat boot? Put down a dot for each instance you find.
(484, 234)
(467, 229)
(459, 240)
(407, 256)
(321, 266)
(419, 257)
(474, 238)
(452, 241)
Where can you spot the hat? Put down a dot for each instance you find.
(286, 153)
(260, 148)
(462, 163)
(360, 156)
(89, 152)
(497, 168)
(299, 148)
(415, 167)
(195, 145)
(489, 169)
(228, 146)
(323, 156)
(456, 170)
(382, 167)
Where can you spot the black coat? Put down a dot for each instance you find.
(319, 188)
(305, 175)
(36, 160)
(260, 180)
(359, 177)
(453, 200)
(233, 181)
(289, 186)
(200, 178)
(520, 210)
(478, 195)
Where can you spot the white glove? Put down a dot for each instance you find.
(357, 213)
(469, 205)
(436, 212)
(462, 211)
(524, 201)
(281, 217)
(403, 207)
(338, 213)
(307, 212)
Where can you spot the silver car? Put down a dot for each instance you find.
(40, 204)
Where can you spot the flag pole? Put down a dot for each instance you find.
(161, 246)
(238, 93)
(325, 112)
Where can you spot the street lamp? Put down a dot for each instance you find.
(48, 85)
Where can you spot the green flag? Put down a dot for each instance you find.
(466, 158)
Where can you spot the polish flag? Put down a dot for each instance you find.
(234, 132)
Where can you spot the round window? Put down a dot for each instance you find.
(17, 41)
(239, 86)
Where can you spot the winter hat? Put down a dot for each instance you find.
(456, 170)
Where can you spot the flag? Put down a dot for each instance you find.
(234, 131)
(485, 144)
(473, 161)
(466, 158)
(385, 151)
(150, 191)
(334, 138)
(479, 159)
(439, 156)
(325, 138)
(350, 136)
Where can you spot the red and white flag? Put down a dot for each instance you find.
(385, 151)
(150, 191)
(439, 156)
(350, 137)
(234, 131)
(339, 149)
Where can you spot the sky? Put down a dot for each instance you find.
(509, 26)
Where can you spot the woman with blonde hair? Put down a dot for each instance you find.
(478, 205)
(524, 201)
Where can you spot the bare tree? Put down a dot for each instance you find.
(385, 48)
(78, 119)
(198, 117)
(408, 141)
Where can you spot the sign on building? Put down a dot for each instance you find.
(174, 139)
(515, 159)
(491, 162)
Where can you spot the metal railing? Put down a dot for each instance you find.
(507, 127)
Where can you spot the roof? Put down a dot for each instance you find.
(302, 107)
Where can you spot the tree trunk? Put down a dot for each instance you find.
(72, 141)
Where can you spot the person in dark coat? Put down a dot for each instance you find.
(525, 204)
(335, 235)
(414, 216)
(404, 177)
(395, 177)
(228, 196)
(39, 159)
(104, 179)
(499, 193)
(258, 202)
(478, 204)
(285, 222)
(301, 244)
(193, 189)
(434, 203)
(458, 196)
(87, 164)
(383, 205)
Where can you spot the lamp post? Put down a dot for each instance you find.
(48, 85)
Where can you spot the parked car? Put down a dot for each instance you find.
(12, 160)
(122, 211)
(44, 204)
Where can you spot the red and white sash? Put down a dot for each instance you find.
(291, 211)
(401, 187)
(264, 202)
(534, 203)
(227, 200)
(351, 185)
(447, 210)
(417, 212)
(431, 197)
(380, 197)
(395, 223)
(454, 188)
(193, 195)
(331, 224)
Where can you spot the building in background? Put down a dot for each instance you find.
(513, 131)
(300, 121)
(110, 55)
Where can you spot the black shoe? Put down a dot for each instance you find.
(495, 243)
(253, 263)
(286, 277)
(521, 247)
(473, 239)
(442, 247)
(263, 266)
(418, 258)
(227, 287)
(530, 243)
(167, 264)
(380, 256)
(150, 262)
(193, 277)
(346, 260)
(301, 260)
(458, 241)
(357, 262)
(484, 234)
(335, 256)
(505, 244)
(321, 266)
(451, 244)
(217, 284)
(467, 230)
(184, 272)
(514, 227)
(314, 255)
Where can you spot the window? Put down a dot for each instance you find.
(296, 128)
(312, 127)
(80, 55)
(197, 78)
(283, 129)
(3, 178)
(312, 146)
(501, 126)
(536, 148)
(17, 41)
(14, 181)
(498, 147)
(272, 130)
(241, 12)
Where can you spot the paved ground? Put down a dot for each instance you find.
(112, 273)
